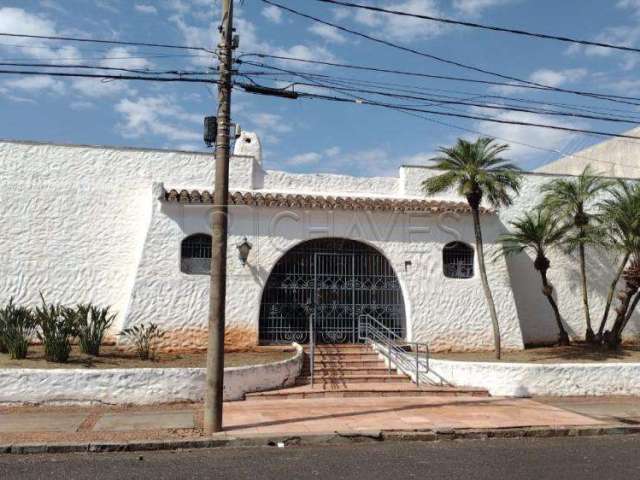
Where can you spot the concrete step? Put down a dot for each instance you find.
(342, 379)
(361, 355)
(364, 390)
(339, 349)
(353, 371)
(349, 364)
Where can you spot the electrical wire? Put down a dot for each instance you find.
(99, 67)
(460, 102)
(431, 56)
(110, 42)
(342, 81)
(560, 38)
(108, 77)
(439, 77)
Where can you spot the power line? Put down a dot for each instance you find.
(348, 81)
(480, 105)
(108, 77)
(111, 42)
(494, 28)
(460, 115)
(99, 67)
(423, 117)
(456, 101)
(598, 95)
(430, 56)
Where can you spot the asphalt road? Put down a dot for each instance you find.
(600, 458)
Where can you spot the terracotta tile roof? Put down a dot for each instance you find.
(326, 202)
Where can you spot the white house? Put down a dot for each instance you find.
(128, 228)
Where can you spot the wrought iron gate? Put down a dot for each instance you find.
(335, 279)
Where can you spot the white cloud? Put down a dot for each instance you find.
(556, 78)
(143, 8)
(373, 161)
(305, 52)
(309, 158)
(545, 76)
(124, 57)
(475, 7)
(330, 34)
(36, 84)
(632, 4)
(160, 115)
(17, 20)
(96, 88)
(108, 5)
(52, 5)
(406, 29)
(196, 37)
(272, 13)
(518, 136)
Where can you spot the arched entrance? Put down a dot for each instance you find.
(346, 278)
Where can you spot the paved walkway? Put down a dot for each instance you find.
(325, 415)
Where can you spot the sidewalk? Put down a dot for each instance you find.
(349, 416)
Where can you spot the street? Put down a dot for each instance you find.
(590, 458)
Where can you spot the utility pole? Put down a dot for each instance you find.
(218, 287)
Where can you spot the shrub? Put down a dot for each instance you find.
(17, 326)
(56, 328)
(92, 322)
(145, 339)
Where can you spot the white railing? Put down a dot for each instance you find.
(410, 358)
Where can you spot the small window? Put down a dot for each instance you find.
(196, 255)
(457, 260)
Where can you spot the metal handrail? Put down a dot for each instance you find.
(312, 344)
(394, 346)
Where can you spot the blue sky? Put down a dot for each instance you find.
(313, 135)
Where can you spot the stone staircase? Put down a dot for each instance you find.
(355, 371)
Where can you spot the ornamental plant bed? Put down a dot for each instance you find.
(112, 357)
(575, 353)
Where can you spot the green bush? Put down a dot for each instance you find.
(56, 328)
(92, 322)
(17, 327)
(145, 339)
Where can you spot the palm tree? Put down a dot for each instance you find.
(475, 170)
(619, 222)
(536, 232)
(573, 199)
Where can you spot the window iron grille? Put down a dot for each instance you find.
(195, 258)
(457, 260)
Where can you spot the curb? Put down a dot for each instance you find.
(292, 440)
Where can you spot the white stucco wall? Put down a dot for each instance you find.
(522, 380)
(615, 157)
(534, 313)
(74, 217)
(87, 223)
(141, 386)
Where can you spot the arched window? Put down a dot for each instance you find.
(196, 254)
(457, 260)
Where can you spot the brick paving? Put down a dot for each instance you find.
(324, 415)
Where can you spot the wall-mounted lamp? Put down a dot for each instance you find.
(243, 251)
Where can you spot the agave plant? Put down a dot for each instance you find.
(477, 170)
(56, 328)
(17, 327)
(145, 338)
(537, 232)
(92, 322)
